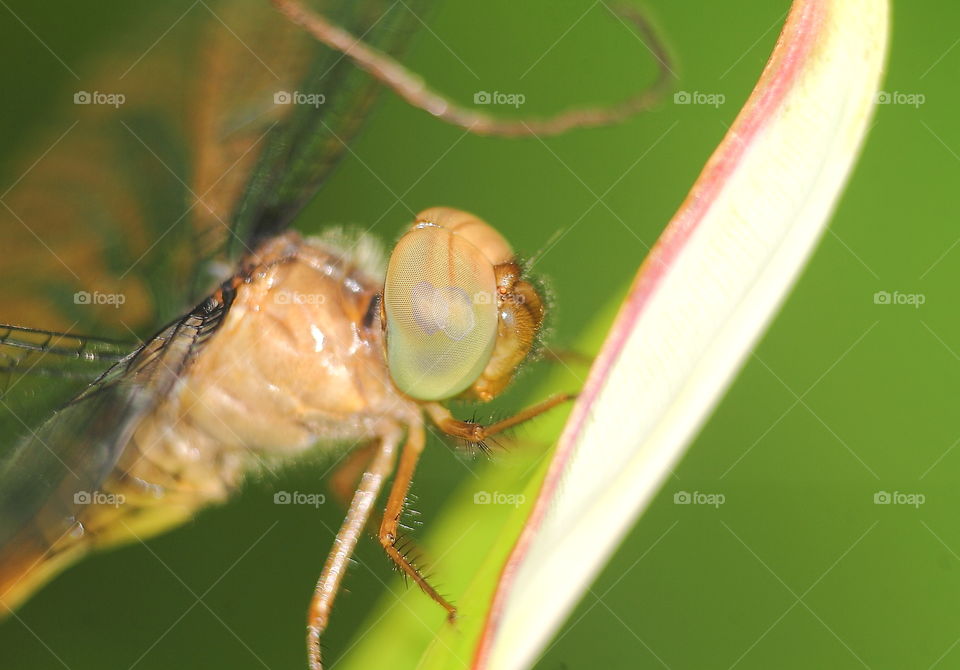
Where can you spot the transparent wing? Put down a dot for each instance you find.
(333, 99)
(116, 221)
(47, 474)
(111, 214)
(28, 351)
(41, 369)
(177, 159)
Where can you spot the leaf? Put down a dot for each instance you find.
(699, 303)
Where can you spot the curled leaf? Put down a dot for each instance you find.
(699, 303)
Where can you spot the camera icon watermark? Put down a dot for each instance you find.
(698, 98)
(898, 298)
(98, 298)
(297, 298)
(97, 98)
(298, 98)
(98, 498)
(497, 98)
(482, 298)
(699, 498)
(899, 98)
(299, 498)
(486, 298)
(899, 498)
(498, 498)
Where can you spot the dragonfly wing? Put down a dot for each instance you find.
(177, 160)
(26, 351)
(121, 219)
(50, 481)
(45, 479)
(334, 99)
(41, 370)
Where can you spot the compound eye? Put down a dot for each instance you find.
(441, 310)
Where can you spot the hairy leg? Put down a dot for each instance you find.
(416, 439)
(360, 507)
(476, 432)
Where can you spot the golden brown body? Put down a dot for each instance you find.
(296, 364)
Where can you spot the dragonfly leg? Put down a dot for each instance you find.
(343, 481)
(391, 516)
(414, 91)
(475, 432)
(360, 507)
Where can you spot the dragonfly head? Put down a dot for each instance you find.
(459, 314)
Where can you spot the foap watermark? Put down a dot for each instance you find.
(899, 498)
(699, 498)
(99, 98)
(298, 498)
(486, 297)
(498, 98)
(98, 298)
(98, 498)
(298, 298)
(298, 98)
(900, 98)
(498, 498)
(698, 98)
(898, 298)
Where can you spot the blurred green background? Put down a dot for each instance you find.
(843, 399)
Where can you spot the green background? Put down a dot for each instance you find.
(843, 398)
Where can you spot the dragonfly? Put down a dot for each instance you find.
(293, 344)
